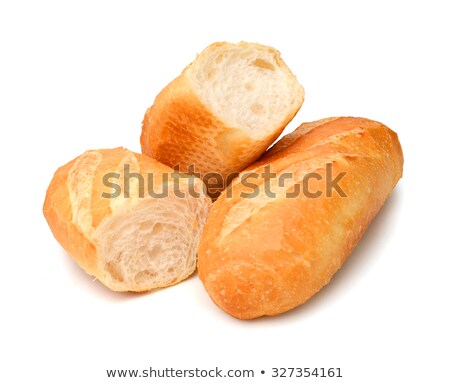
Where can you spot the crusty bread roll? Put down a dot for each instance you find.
(222, 112)
(131, 241)
(268, 254)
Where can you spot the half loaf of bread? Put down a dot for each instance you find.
(127, 219)
(222, 112)
(268, 248)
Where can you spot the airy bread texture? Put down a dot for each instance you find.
(266, 255)
(222, 112)
(132, 242)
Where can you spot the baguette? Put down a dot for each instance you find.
(129, 241)
(222, 112)
(268, 254)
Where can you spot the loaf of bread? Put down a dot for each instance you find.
(222, 112)
(125, 220)
(264, 254)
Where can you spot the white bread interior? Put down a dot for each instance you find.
(247, 86)
(153, 244)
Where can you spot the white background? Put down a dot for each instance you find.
(80, 75)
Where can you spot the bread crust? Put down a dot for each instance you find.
(75, 209)
(180, 131)
(265, 256)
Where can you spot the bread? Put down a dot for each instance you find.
(268, 254)
(129, 241)
(222, 112)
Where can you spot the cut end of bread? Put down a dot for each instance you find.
(247, 86)
(151, 245)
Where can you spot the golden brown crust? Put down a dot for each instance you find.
(180, 131)
(264, 256)
(58, 212)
